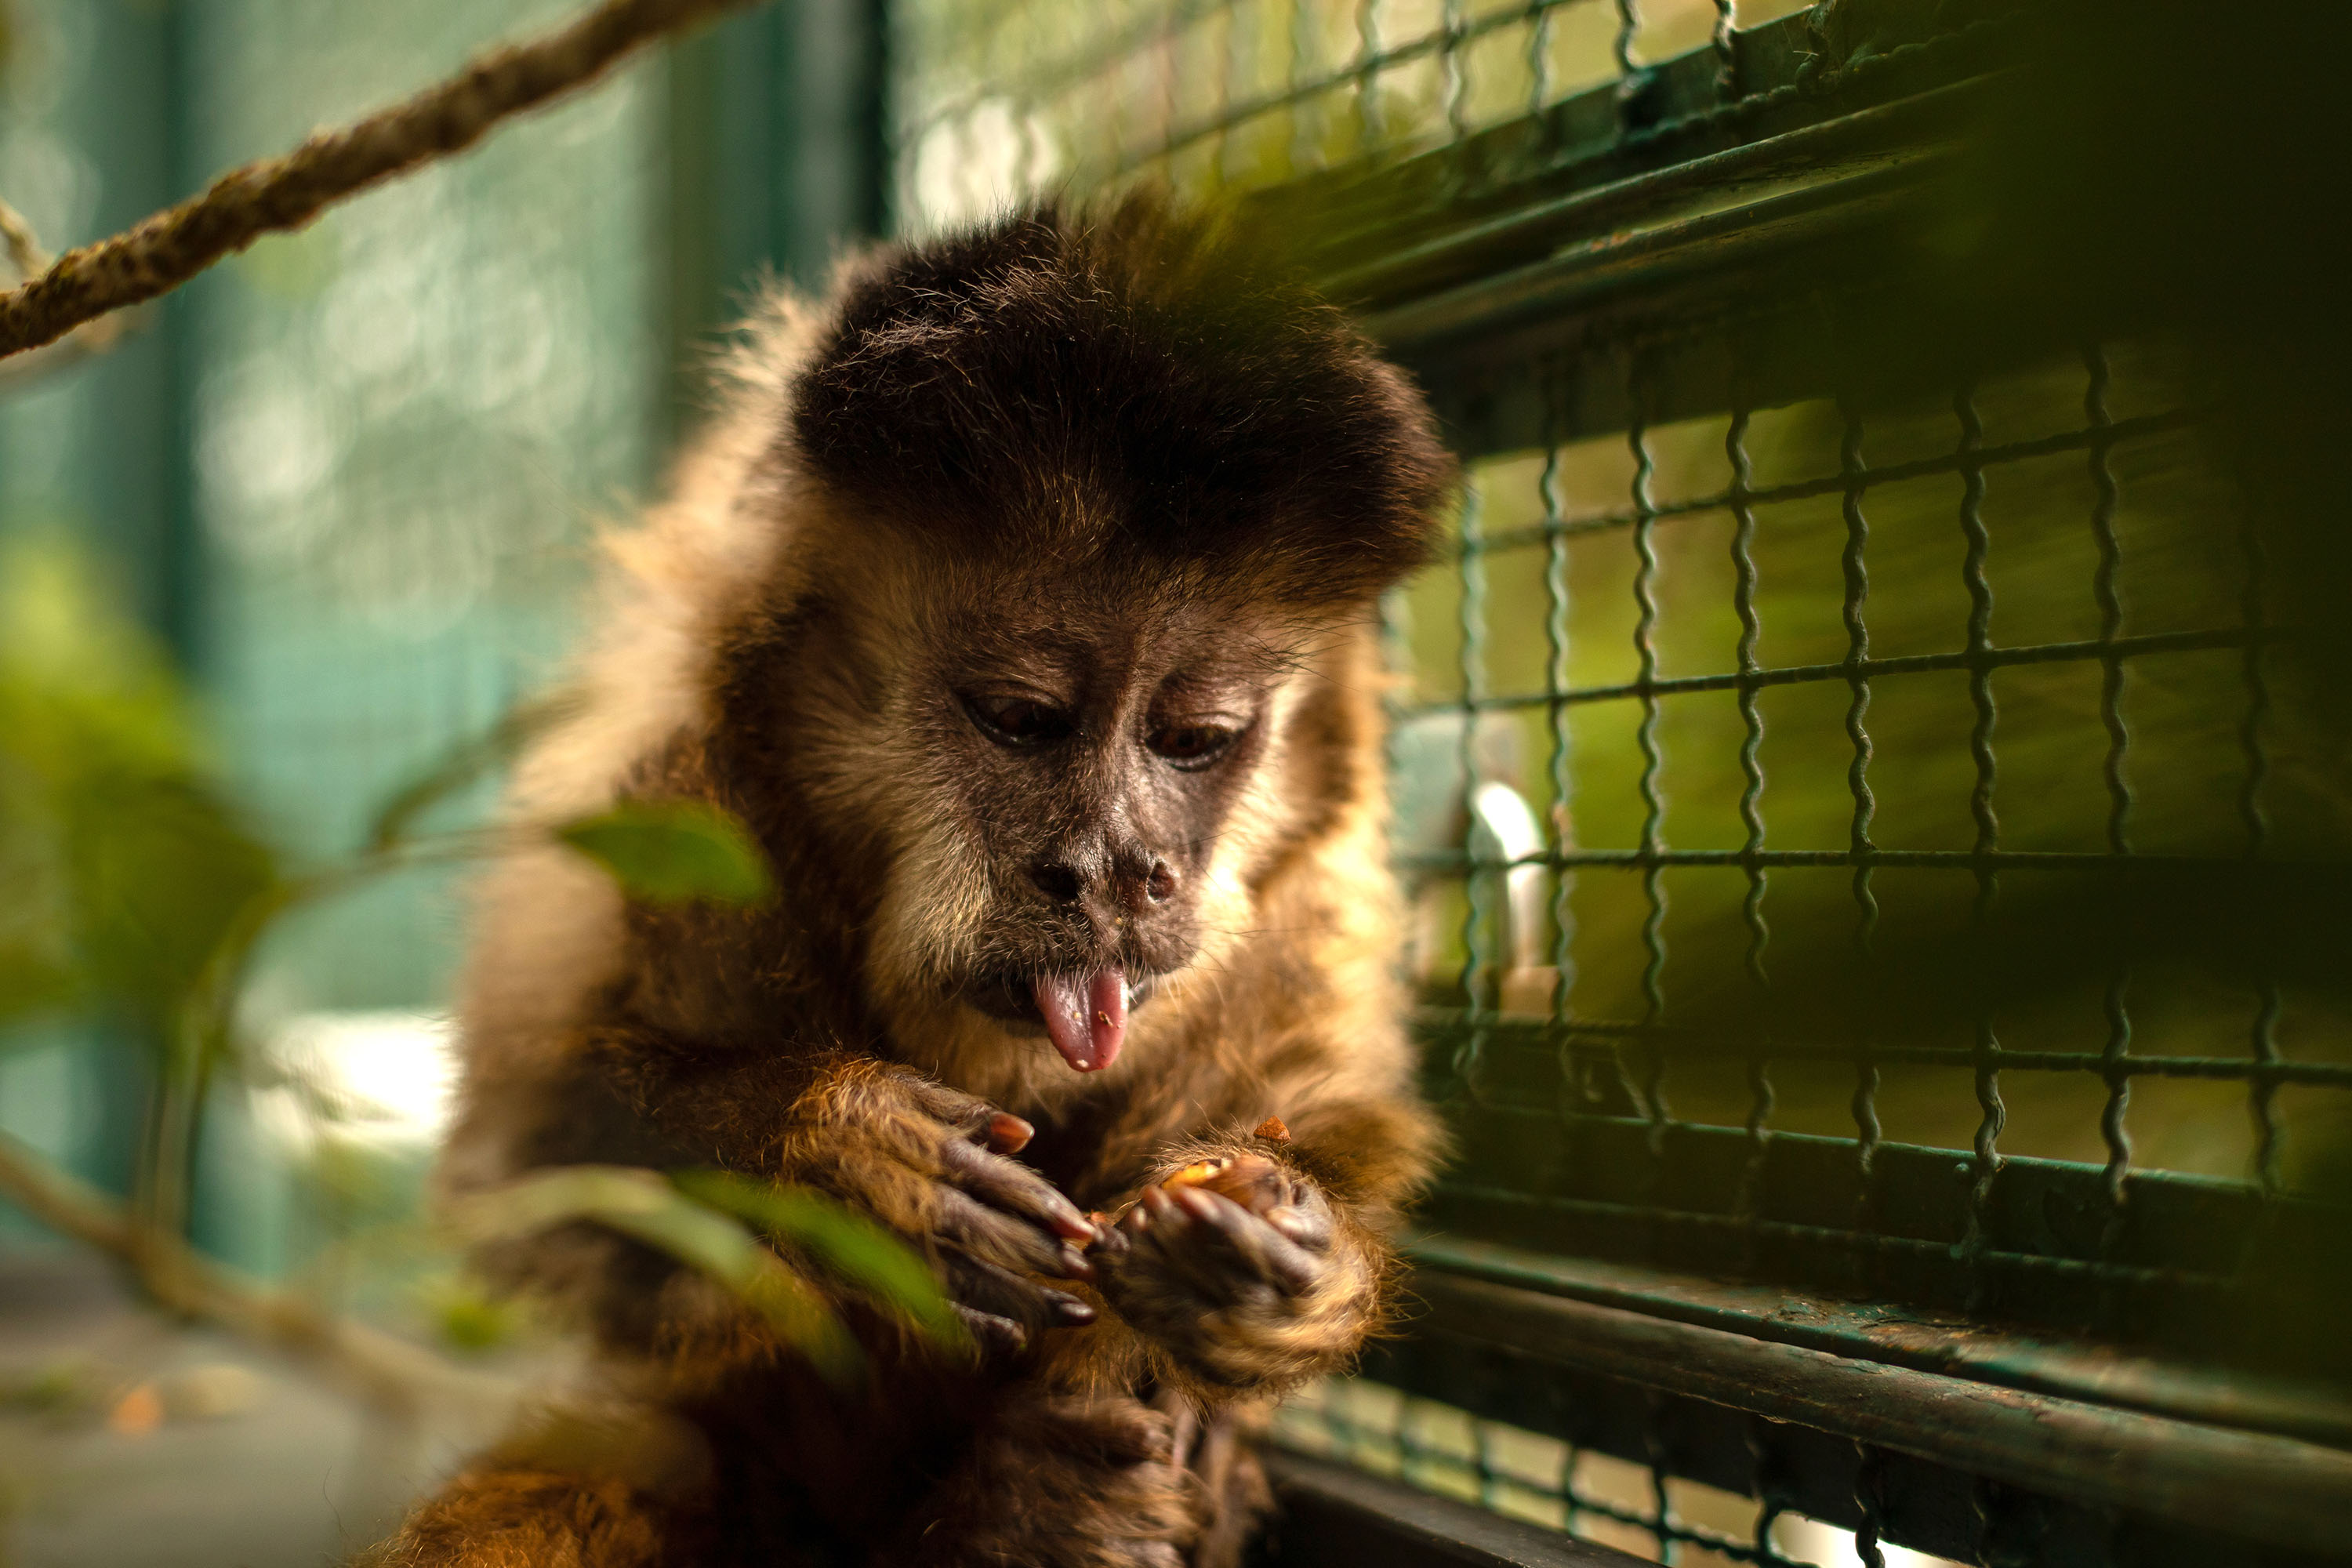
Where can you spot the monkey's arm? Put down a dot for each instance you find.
(1270, 1266)
(927, 1161)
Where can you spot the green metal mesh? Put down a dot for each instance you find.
(996, 99)
(1809, 702)
(1638, 1507)
(1845, 772)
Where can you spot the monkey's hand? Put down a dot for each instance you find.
(932, 1163)
(1244, 1272)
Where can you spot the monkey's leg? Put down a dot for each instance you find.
(499, 1517)
(1229, 1485)
(623, 1486)
(1059, 1480)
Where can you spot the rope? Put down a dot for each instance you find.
(169, 248)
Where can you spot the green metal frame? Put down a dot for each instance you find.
(777, 160)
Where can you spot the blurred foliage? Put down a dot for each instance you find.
(465, 766)
(838, 1241)
(125, 870)
(133, 888)
(674, 851)
(466, 1317)
(689, 1219)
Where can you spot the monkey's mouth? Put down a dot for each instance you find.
(1084, 1013)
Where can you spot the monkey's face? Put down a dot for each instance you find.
(1094, 484)
(1082, 770)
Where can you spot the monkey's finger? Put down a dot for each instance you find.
(1004, 1241)
(1069, 1311)
(1111, 1242)
(1108, 1432)
(982, 1287)
(1181, 1249)
(1007, 1133)
(1262, 1249)
(1002, 1335)
(1308, 1226)
(1210, 1277)
(1005, 1184)
(973, 1118)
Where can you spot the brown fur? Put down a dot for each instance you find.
(1111, 455)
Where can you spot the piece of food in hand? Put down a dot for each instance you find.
(1199, 1174)
(1250, 1179)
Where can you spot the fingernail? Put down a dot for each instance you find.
(1075, 1264)
(1007, 1133)
(1073, 1225)
(1071, 1312)
(1157, 1204)
(1198, 1204)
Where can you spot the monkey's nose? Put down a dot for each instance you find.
(1140, 884)
(1058, 882)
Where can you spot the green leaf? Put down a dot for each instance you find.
(674, 851)
(463, 766)
(861, 1253)
(125, 872)
(641, 1205)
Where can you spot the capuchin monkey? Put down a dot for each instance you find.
(1020, 602)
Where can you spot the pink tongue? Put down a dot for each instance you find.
(1086, 1014)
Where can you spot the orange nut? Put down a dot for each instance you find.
(1199, 1172)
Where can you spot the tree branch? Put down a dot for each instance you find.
(28, 260)
(167, 249)
(386, 1372)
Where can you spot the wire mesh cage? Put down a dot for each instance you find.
(1863, 810)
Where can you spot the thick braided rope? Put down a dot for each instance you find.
(168, 248)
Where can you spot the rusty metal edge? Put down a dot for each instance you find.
(1637, 260)
(2277, 1489)
(1339, 1515)
(1878, 133)
(1901, 1336)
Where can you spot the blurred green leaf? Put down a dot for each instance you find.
(674, 851)
(465, 1317)
(641, 1205)
(463, 766)
(123, 870)
(860, 1252)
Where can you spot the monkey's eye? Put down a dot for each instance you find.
(1018, 720)
(1191, 745)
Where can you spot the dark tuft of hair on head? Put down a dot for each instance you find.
(1136, 379)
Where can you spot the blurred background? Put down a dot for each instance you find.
(315, 525)
(279, 568)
